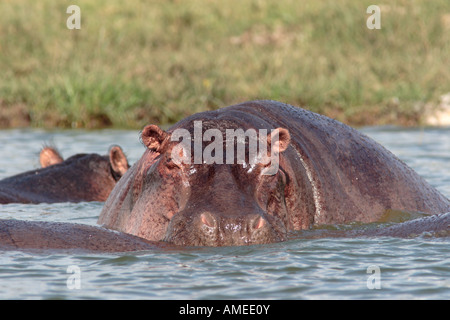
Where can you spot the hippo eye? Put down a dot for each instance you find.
(171, 164)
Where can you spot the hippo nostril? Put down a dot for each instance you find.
(258, 223)
(207, 219)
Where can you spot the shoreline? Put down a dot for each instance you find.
(437, 115)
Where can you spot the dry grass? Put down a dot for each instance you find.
(138, 62)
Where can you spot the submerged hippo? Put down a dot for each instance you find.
(319, 172)
(43, 235)
(327, 173)
(82, 177)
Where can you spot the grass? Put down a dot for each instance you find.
(139, 62)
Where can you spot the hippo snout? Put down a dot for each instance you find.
(242, 230)
(209, 228)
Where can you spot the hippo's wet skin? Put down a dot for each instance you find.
(328, 173)
(17, 234)
(82, 177)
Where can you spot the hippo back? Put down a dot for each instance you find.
(353, 178)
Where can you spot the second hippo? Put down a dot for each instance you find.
(82, 177)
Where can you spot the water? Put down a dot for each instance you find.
(416, 268)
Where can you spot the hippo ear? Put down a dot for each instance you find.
(118, 160)
(49, 156)
(153, 137)
(279, 139)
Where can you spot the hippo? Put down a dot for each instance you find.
(327, 173)
(82, 177)
(42, 236)
(319, 172)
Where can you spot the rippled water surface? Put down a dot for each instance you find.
(416, 268)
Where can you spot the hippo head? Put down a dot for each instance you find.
(197, 203)
(81, 177)
(116, 160)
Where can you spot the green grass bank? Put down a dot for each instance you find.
(139, 62)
